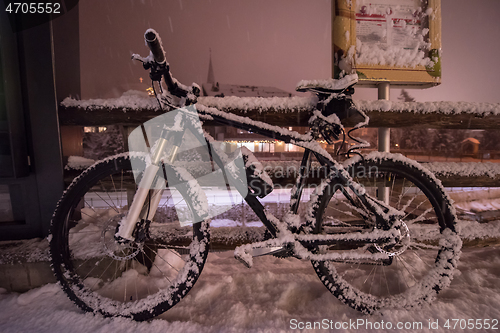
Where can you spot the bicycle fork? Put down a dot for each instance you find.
(150, 185)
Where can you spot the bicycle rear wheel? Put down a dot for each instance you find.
(422, 262)
(139, 279)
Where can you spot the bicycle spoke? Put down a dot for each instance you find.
(87, 205)
(110, 206)
(113, 205)
(392, 187)
(398, 260)
(407, 204)
(420, 204)
(421, 217)
(369, 275)
(371, 284)
(163, 259)
(114, 187)
(416, 255)
(405, 265)
(175, 252)
(385, 279)
(349, 205)
(100, 276)
(401, 195)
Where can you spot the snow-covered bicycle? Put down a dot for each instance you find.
(130, 235)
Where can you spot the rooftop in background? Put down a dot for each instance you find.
(215, 89)
(222, 90)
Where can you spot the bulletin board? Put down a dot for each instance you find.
(396, 41)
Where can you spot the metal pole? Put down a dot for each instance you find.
(384, 139)
(384, 134)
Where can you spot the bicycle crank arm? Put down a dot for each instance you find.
(262, 251)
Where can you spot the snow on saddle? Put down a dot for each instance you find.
(329, 86)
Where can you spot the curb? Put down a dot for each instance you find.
(25, 276)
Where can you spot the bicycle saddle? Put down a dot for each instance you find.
(329, 86)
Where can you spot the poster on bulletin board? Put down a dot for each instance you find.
(396, 41)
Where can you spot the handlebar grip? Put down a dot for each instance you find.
(154, 43)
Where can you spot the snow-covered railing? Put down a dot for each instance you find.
(466, 174)
(450, 115)
(136, 107)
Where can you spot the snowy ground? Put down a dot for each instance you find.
(267, 298)
(277, 295)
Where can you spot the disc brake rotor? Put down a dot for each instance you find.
(118, 251)
(400, 246)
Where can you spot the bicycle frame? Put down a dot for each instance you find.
(342, 179)
(334, 170)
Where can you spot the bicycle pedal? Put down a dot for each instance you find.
(244, 257)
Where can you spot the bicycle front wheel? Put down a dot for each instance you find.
(420, 264)
(138, 279)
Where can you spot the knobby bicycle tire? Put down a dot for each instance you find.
(420, 265)
(140, 280)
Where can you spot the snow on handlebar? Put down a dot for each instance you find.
(154, 43)
(157, 63)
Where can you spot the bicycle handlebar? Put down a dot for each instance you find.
(154, 44)
(159, 67)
